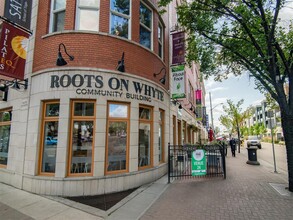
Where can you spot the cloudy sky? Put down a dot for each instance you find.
(234, 88)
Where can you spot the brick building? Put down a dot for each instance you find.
(99, 119)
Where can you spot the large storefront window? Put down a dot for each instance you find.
(145, 32)
(57, 15)
(145, 137)
(49, 138)
(81, 142)
(87, 15)
(117, 138)
(5, 122)
(161, 136)
(120, 18)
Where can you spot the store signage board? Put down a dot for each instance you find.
(199, 164)
(97, 85)
(13, 45)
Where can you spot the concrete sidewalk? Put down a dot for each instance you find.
(249, 192)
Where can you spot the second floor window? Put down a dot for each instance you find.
(57, 15)
(160, 40)
(87, 15)
(145, 31)
(120, 18)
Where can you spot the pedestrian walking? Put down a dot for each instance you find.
(233, 146)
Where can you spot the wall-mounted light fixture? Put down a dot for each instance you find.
(121, 67)
(60, 60)
(175, 102)
(163, 79)
(15, 84)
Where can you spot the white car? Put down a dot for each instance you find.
(253, 141)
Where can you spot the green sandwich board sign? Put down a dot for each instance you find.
(199, 164)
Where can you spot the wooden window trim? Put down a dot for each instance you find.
(80, 118)
(162, 124)
(117, 119)
(149, 121)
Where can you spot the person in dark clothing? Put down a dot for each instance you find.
(233, 146)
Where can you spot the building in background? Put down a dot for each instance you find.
(94, 111)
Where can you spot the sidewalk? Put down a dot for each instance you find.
(249, 192)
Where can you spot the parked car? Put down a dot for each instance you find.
(51, 141)
(253, 141)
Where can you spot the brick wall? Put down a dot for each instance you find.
(98, 50)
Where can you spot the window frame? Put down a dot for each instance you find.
(162, 126)
(117, 119)
(5, 123)
(52, 16)
(88, 8)
(73, 119)
(150, 122)
(161, 42)
(42, 136)
(151, 29)
(122, 16)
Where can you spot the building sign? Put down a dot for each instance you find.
(178, 55)
(19, 12)
(198, 163)
(178, 82)
(96, 85)
(13, 44)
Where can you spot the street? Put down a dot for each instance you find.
(266, 154)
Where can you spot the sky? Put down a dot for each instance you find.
(235, 89)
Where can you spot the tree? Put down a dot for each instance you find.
(234, 117)
(248, 36)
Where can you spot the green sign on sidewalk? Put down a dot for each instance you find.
(199, 164)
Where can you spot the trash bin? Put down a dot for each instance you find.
(252, 156)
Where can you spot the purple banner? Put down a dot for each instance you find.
(178, 55)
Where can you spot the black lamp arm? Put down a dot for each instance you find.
(163, 68)
(70, 57)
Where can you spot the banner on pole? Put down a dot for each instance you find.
(13, 45)
(178, 82)
(178, 44)
(19, 12)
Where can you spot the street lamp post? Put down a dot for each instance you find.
(212, 119)
(270, 115)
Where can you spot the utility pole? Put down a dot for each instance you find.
(212, 119)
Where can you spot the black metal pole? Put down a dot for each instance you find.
(169, 163)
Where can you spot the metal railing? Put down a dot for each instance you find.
(182, 161)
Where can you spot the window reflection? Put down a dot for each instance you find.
(120, 16)
(117, 143)
(82, 141)
(144, 153)
(117, 139)
(83, 109)
(49, 147)
(145, 30)
(119, 26)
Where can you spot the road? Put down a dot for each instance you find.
(266, 154)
